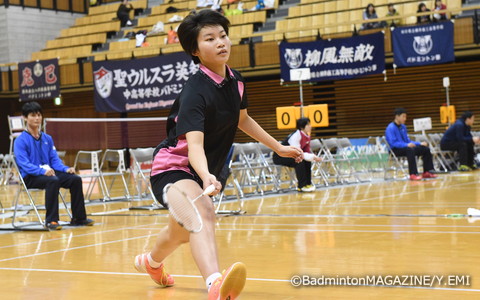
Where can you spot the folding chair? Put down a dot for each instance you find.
(279, 174)
(394, 163)
(16, 125)
(317, 170)
(341, 162)
(446, 158)
(141, 157)
(88, 166)
(358, 164)
(117, 158)
(29, 191)
(243, 170)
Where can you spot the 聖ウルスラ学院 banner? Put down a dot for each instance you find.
(140, 84)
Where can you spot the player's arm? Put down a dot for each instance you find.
(251, 127)
(198, 159)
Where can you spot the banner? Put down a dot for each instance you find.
(140, 84)
(39, 80)
(423, 45)
(335, 59)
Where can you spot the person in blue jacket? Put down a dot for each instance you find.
(401, 145)
(459, 138)
(40, 167)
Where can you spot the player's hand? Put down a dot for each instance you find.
(71, 170)
(317, 159)
(424, 144)
(209, 180)
(476, 139)
(411, 145)
(50, 172)
(290, 151)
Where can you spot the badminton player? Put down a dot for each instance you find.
(201, 128)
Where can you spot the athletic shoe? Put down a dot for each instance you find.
(464, 168)
(86, 222)
(307, 189)
(415, 177)
(230, 285)
(428, 175)
(159, 275)
(53, 226)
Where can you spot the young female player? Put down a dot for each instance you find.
(201, 128)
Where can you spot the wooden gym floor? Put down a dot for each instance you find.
(410, 233)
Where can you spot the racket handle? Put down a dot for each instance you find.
(210, 189)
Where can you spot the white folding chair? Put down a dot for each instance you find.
(88, 166)
(29, 191)
(140, 158)
(16, 125)
(113, 158)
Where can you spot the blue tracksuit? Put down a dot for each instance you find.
(31, 153)
(397, 136)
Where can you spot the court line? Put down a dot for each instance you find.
(344, 230)
(248, 278)
(384, 196)
(83, 234)
(76, 248)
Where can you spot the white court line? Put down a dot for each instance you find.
(75, 248)
(109, 212)
(344, 230)
(198, 276)
(85, 234)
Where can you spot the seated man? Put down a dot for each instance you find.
(458, 138)
(41, 168)
(397, 138)
(301, 139)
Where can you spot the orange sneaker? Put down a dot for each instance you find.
(230, 285)
(159, 275)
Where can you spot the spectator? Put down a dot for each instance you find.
(303, 169)
(397, 138)
(439, 6)
(369, 14)
(41, 168)
(392, 12)
(425, 18)
(172, 36)
(123, 13)
(459, 138)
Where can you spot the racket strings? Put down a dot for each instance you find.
(184, 211)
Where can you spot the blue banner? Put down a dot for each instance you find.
(140, 84)
(335, 59)
(39, 80)
(423, 45)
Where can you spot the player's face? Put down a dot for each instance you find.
(34, 120)
(213, 46)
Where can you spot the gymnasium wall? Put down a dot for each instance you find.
(26, 30)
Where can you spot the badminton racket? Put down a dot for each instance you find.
(183, 209)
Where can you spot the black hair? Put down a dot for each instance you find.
(420, 6)
(31, 107)
(367, 11)
(302, 123)
(466, 115)
(400, 110)
(192, 24)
